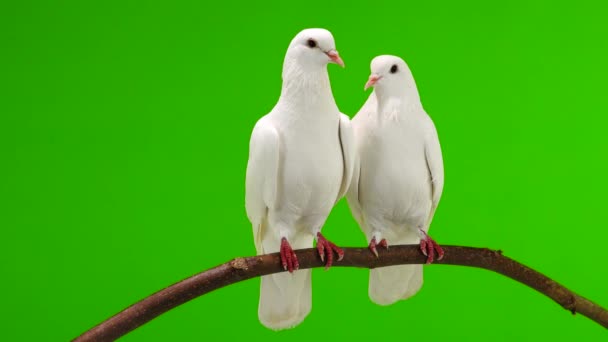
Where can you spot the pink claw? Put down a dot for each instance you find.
(326, 249)
(423, 247)
(428, 247)
(373, 244)
(289, 260)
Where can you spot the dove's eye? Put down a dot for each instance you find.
(311, 43)
(394, 69)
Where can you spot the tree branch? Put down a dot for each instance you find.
(241, 269)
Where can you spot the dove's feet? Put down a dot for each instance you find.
(373, 244)
(428, 247)
(326, 250)
(289, 260)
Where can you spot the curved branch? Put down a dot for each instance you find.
(240, 269)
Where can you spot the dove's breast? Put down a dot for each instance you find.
(311, 166)
(394, 177)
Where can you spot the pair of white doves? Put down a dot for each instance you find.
(305, 156)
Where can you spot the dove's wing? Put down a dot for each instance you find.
(347, 143)
(358, 123)
(262, 173)
(352, 196)
(434, 162)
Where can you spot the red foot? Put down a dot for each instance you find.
(288, 257)
(428, 247)
(373, 244)
(327, 249)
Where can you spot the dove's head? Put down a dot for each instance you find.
(390, 74)
(314, 48)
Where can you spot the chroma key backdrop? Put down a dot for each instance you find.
(125, 131)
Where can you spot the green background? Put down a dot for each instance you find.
(125, 129)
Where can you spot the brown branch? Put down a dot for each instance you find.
(246, 268)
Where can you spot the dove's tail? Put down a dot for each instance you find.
(390, 284)
(285, 299)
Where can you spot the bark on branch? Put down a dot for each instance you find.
(240, 269)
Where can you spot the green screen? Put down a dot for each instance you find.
(125, 132)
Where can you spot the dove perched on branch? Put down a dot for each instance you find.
(398, 177)
(301, 160)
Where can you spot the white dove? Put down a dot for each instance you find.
(301, 161)
(398, 176)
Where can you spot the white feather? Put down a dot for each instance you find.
(347, 144)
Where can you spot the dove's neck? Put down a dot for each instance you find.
(399, 104)
(306, 88)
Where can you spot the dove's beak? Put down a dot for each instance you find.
(335, 57)
(373, 79)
